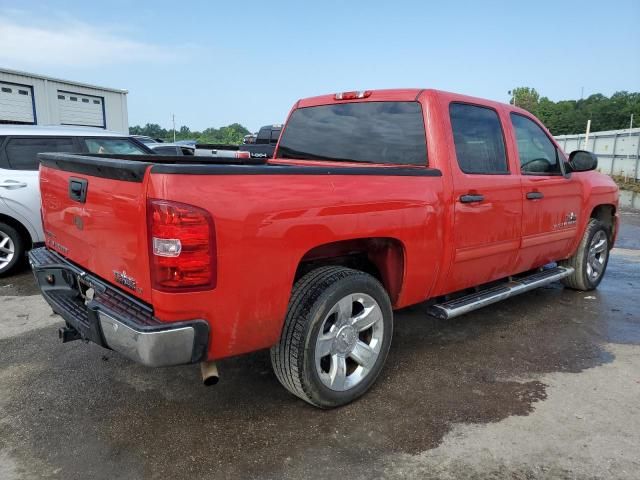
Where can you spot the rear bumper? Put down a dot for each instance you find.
(110, 318)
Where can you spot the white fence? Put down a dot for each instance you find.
(618, 151)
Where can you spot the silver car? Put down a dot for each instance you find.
(20, 221)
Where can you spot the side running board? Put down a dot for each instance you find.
(473, 301)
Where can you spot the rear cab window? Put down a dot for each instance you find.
(369, 132)
(123, 146)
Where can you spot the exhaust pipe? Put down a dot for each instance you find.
(209, 373)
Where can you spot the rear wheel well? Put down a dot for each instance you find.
(606, 214)
(381, 257)
(22, 230)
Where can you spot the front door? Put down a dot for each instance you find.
(551, 201)
(488, 205)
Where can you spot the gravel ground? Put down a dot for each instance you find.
(544, 385)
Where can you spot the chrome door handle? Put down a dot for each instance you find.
(11, 184)
(534, 195)
(471, 198)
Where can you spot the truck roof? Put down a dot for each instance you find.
(400, 95)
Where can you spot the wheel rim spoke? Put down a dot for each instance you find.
(7, 250)
(597, 266)
(338, 372)
(364, 355)
(600, 246)
(324, 344)
(367, 318)
(344, 308)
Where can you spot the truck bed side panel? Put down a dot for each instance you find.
(266, 223)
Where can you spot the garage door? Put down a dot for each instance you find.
(78, 109)
(16, 103)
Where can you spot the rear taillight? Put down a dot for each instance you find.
(182, 246)
(243, 154)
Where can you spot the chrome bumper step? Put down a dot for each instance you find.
(473, 301)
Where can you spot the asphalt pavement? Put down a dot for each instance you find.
(544, 385)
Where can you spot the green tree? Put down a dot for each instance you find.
(230, 134)
(150, 129)
(571, 116)
(525, 97)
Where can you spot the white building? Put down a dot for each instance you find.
(32, 99)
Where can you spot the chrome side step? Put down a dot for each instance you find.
(473, 301)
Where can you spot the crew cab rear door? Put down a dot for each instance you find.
(487, 197)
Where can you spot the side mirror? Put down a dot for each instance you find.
(582, 161)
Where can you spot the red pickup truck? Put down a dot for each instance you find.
(374, 200)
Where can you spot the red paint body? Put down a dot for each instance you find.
(426, 243)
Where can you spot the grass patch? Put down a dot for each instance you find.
(630, 184)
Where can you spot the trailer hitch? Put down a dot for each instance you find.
(68, 334)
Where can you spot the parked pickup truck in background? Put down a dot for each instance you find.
(374, 201)
(263, 147)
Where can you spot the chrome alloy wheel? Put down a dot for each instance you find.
(7, 250)
(597, 256)
(349, 342)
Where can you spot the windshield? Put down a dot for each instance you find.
(122, 146)
(372, 132)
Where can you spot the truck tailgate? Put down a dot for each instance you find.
(95, 216)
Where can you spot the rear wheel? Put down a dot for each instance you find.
(11, 248)
(590, 260)
(336, 336)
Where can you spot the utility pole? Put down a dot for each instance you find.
(631, 123)
(581, 93)
(173, 118)
(586, 136)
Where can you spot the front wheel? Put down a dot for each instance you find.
(335, 338)
(590, 260)
(11, 248)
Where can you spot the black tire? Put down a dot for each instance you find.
(18, 245)
(580, 278)
(314, 296)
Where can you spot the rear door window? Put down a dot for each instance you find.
(370, 132)
(122, 146)
(22, 153)
(478, 138)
